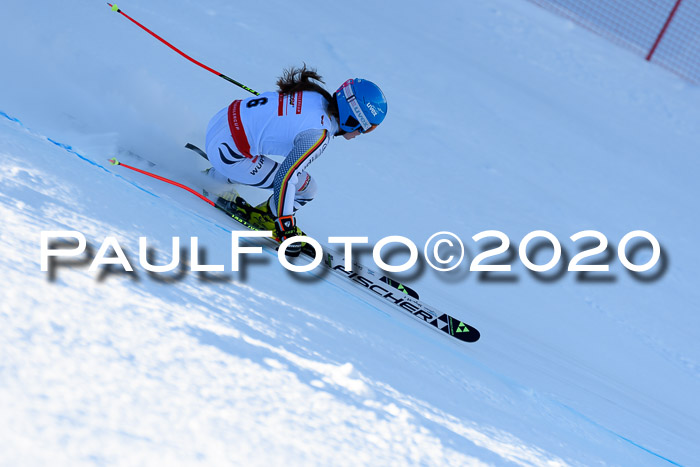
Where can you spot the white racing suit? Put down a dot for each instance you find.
(296, 126)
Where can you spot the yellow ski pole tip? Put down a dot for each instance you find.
(115, 7)
(114, 161)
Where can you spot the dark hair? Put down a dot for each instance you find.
(295, 79)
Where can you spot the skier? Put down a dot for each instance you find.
(296, 122)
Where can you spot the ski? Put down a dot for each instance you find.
(400, 299)
(388, 291)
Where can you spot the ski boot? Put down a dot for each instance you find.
(233, 204)
(284, 227)
(262, 217)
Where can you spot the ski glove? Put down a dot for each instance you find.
(286, 227)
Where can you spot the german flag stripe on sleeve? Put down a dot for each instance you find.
(283, 186)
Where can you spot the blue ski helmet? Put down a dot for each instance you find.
(361, 105)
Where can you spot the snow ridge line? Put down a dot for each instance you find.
(68, 148)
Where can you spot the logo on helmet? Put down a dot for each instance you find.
(372, 109)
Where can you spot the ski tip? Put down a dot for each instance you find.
(113, 161)
(467, 333)
(461, 330)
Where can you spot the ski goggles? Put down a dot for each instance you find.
(352, 122)
(360, 121)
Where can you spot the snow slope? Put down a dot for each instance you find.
(501, 117)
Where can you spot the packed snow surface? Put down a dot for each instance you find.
(501, 117)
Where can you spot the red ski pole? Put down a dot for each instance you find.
(238, 219)
(220, 75)
(114, 161)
